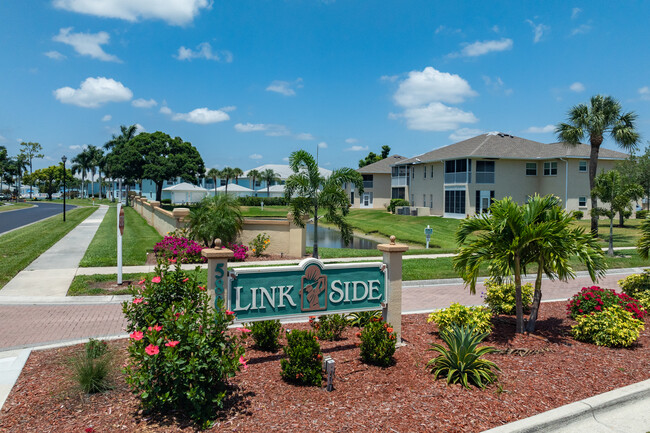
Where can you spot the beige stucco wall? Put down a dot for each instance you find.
(381, 192)
(429, 186)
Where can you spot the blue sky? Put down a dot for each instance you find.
(248, 82)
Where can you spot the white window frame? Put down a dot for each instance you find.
(552, 165)
(582, 199)
(527, 169)
(580, 165)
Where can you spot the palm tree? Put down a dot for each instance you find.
(253, 174)
(214, 174)
(236, 172)
(269, 176)
(227, 173)
(30, 151)
(602, 116)
(81, 164)
(511, 237)
(95, 155)
(128, 132)
(644, 242)
(4, 161)
(302, 189)
(216, 217)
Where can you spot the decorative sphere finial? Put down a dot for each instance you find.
(392, 240)
(217, 243)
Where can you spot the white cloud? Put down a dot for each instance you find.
(480, 48)
(575, 12)
(496, 85)
(144, 103)
(465, 133)
(581, 30)
(285, 88)
(139, 129)
(76, 147)
(540, 129)
(271, 130)
(495, 29)
(356, 148)
(202, 116)
(538, 30)
(285, 159)
(86, 44)
(204, 51)
(255, 156)
(322, 145)
(351, 140)
(644, 93)
(165, 110)
(389, 78)
(431, 85)
(107, 118)
(94, 92)
(577, 87)
(435, 117)
(304, 136)
(446, 30)
(228, 108)
(176, 12)
(55, 55)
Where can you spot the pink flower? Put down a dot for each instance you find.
(230, 313)
(90, 430)
(172, 260)
(157, 328)
(186, 280)
(138, 300)
(142, 281)
(152, 350)
(172, 343)
(137, 335)
(245, 330)
(155, 280)
(242, 361)
(202, 288)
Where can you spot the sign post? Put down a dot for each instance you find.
(120, 232)
(428, 232)
(393, 260)
(218, 272)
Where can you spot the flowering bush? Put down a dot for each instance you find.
(180, 355)
(266, 334)
(329, 327)
(240, 251)
(377, 343)
(179, 249)
(259, 244)
(638, 287)
(361, 318)
(594, 299)
(460, 315)
(501, 297)
(613, 327)
(305, 362)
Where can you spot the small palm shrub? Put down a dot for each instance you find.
(92, 368)
(216, 217)
(361, 319)
(501, 297)
(460, 315)
(377, 343)
(266, 334)
(594, 299)
(461, 361)
(304, 362)
(637, 286)
(612, 327)
(329, 327)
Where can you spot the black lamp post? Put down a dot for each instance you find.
(64, 159)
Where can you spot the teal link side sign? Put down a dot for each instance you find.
(308, 289)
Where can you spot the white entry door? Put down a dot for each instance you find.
(485, 200)
(366, 199)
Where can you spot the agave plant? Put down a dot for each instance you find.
(461, 360)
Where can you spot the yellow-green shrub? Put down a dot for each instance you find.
(501, 297)
(460, 315)
(638, 287)
(612, 327)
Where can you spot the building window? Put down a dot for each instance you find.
(455, 201)
(424, 170)
(398, 193)
(431, 201)
(367, 180)
(456, 171)
(432, 171)
(550, 169)
(484, 171)
(582, 201)
(352, 197)
(412, 199)
(412, 172)
(582, 166)
(424, 200)
(531, 169)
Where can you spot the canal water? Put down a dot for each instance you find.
(331, 238)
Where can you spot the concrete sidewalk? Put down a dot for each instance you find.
(53, 271)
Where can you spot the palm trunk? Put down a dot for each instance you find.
(315, 252)
(518, 302)
(593, 168)
(537, 298)
(610, 251)
(621, 219)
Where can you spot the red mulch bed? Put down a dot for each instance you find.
(555, 370)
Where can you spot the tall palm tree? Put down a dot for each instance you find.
(236, 172)
(95, 155)
(252, 175)
(603, 116)
(214, 174)
(227, 173)
(4, 160)
(269, 176)
(127, 133)
(81, 164)
(302, 189)
(644, 242)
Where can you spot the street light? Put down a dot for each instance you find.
(64, 159)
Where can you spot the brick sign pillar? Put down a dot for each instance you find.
(218, 272)
(393, 260)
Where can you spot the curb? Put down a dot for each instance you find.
(573, 413)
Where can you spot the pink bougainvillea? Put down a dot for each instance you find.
(179, 249)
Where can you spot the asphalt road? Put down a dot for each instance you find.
(10, 220)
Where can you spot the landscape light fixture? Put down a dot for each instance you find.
(64, 159)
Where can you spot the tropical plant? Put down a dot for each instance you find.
(214, 174)
(216, 217)
(610, 188)
(643, 244)
(329, 327)
(81, 164)
(303, 362)
(500, 298)
(30, 151)
(477, 317)
(259, 244)
(127, 133)
(362, 318)
(92, 372)
(638, 287)
(269, 176)
(266, 334)
(594, 300)
(602, 116)
(309, 191)
(227, 173)
(95, 155)
(612, 327)
(371, 158)
(253, 175)
(378, 343)
(461, 361)
(179, 249)
(236, 172)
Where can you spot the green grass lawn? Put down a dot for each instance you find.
(334, 253)
(269, 211)
(20, 247)
(623, 236)
(13, 206)
(139, 237)
(81, 201)
(82, 285)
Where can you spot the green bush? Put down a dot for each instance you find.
(594, 300)
(92, 368)
(641, 214)
(180, 354)
(266, 334)
(259, 244)
(612, 327)
(578, 214)
(397, 202)
(216, 217)
(461, 360)
(361, 319)
(329, 327)
(460, 315)
(304, 365)
(95, 348)
(166, 201)
(637, 286)
(501, 297)
(377, 343)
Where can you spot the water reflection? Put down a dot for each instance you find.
(331, 238)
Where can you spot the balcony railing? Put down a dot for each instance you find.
(399, 181)
(485, 177)
(460, 177)
(367, 184)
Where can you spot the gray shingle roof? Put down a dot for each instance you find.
(382, 166)
(498, 145)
